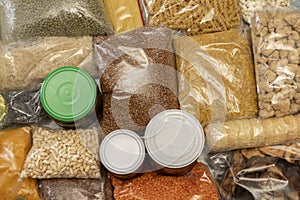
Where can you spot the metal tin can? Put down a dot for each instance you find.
(122, 152)
(71, 97)
(174, 140)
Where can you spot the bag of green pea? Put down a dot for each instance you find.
(23, 19)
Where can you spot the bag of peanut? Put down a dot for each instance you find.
(63, 154)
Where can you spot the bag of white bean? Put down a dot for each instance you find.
(63, 154)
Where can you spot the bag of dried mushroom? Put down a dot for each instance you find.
(63, 154)
(193, 16)
(271, 172)
(137, 77)
(253, 132)
(14, 146)
(229, 54)
(196, 184)
(23, 19)
(276, 44)
(249, 7)
(24, 65)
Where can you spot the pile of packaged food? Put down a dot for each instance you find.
(149, 99)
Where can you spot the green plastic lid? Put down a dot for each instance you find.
(68, 94)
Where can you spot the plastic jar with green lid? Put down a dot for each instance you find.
(71, 97)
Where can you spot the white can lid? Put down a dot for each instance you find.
(122, 152)
(174, 138)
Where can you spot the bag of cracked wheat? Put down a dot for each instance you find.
(276, 47)
(14, 146)
(192, 16)
(228, 53)
(124, 15)
(63, 154)
(196, 184)
(20, 107)
(23, 19)
(137, 76)
(270, 172)
(76, 189)
(24, 65)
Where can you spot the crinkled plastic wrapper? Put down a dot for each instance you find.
(24, 65)
(74, 189)
(124, 15)
(254, 132)
(193, 16)
(63, 154)
(137, 76)
(14, 146)
(270, 172)
(196, 184)
(21, 107)
(22, 19)
(276, 44)
(249, 7)
(227, 57)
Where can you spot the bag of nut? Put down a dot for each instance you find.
(63, 154)
(271, 172)
(276, 44)
(192, 16)
(137, 76)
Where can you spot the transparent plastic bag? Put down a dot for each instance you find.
(74, 189)
(24, 19)
(193, 16)
(14, 146)
(249, 7)
(254, 132)
(63, 154)
(230, 55)
(270, 172)
(124, 15)
(21, 107)
(276, 42)
(196, 184)
(24, 65)
(295, 4)
(137, 76)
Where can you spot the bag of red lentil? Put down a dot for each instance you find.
(137, 76)
(196, 184)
